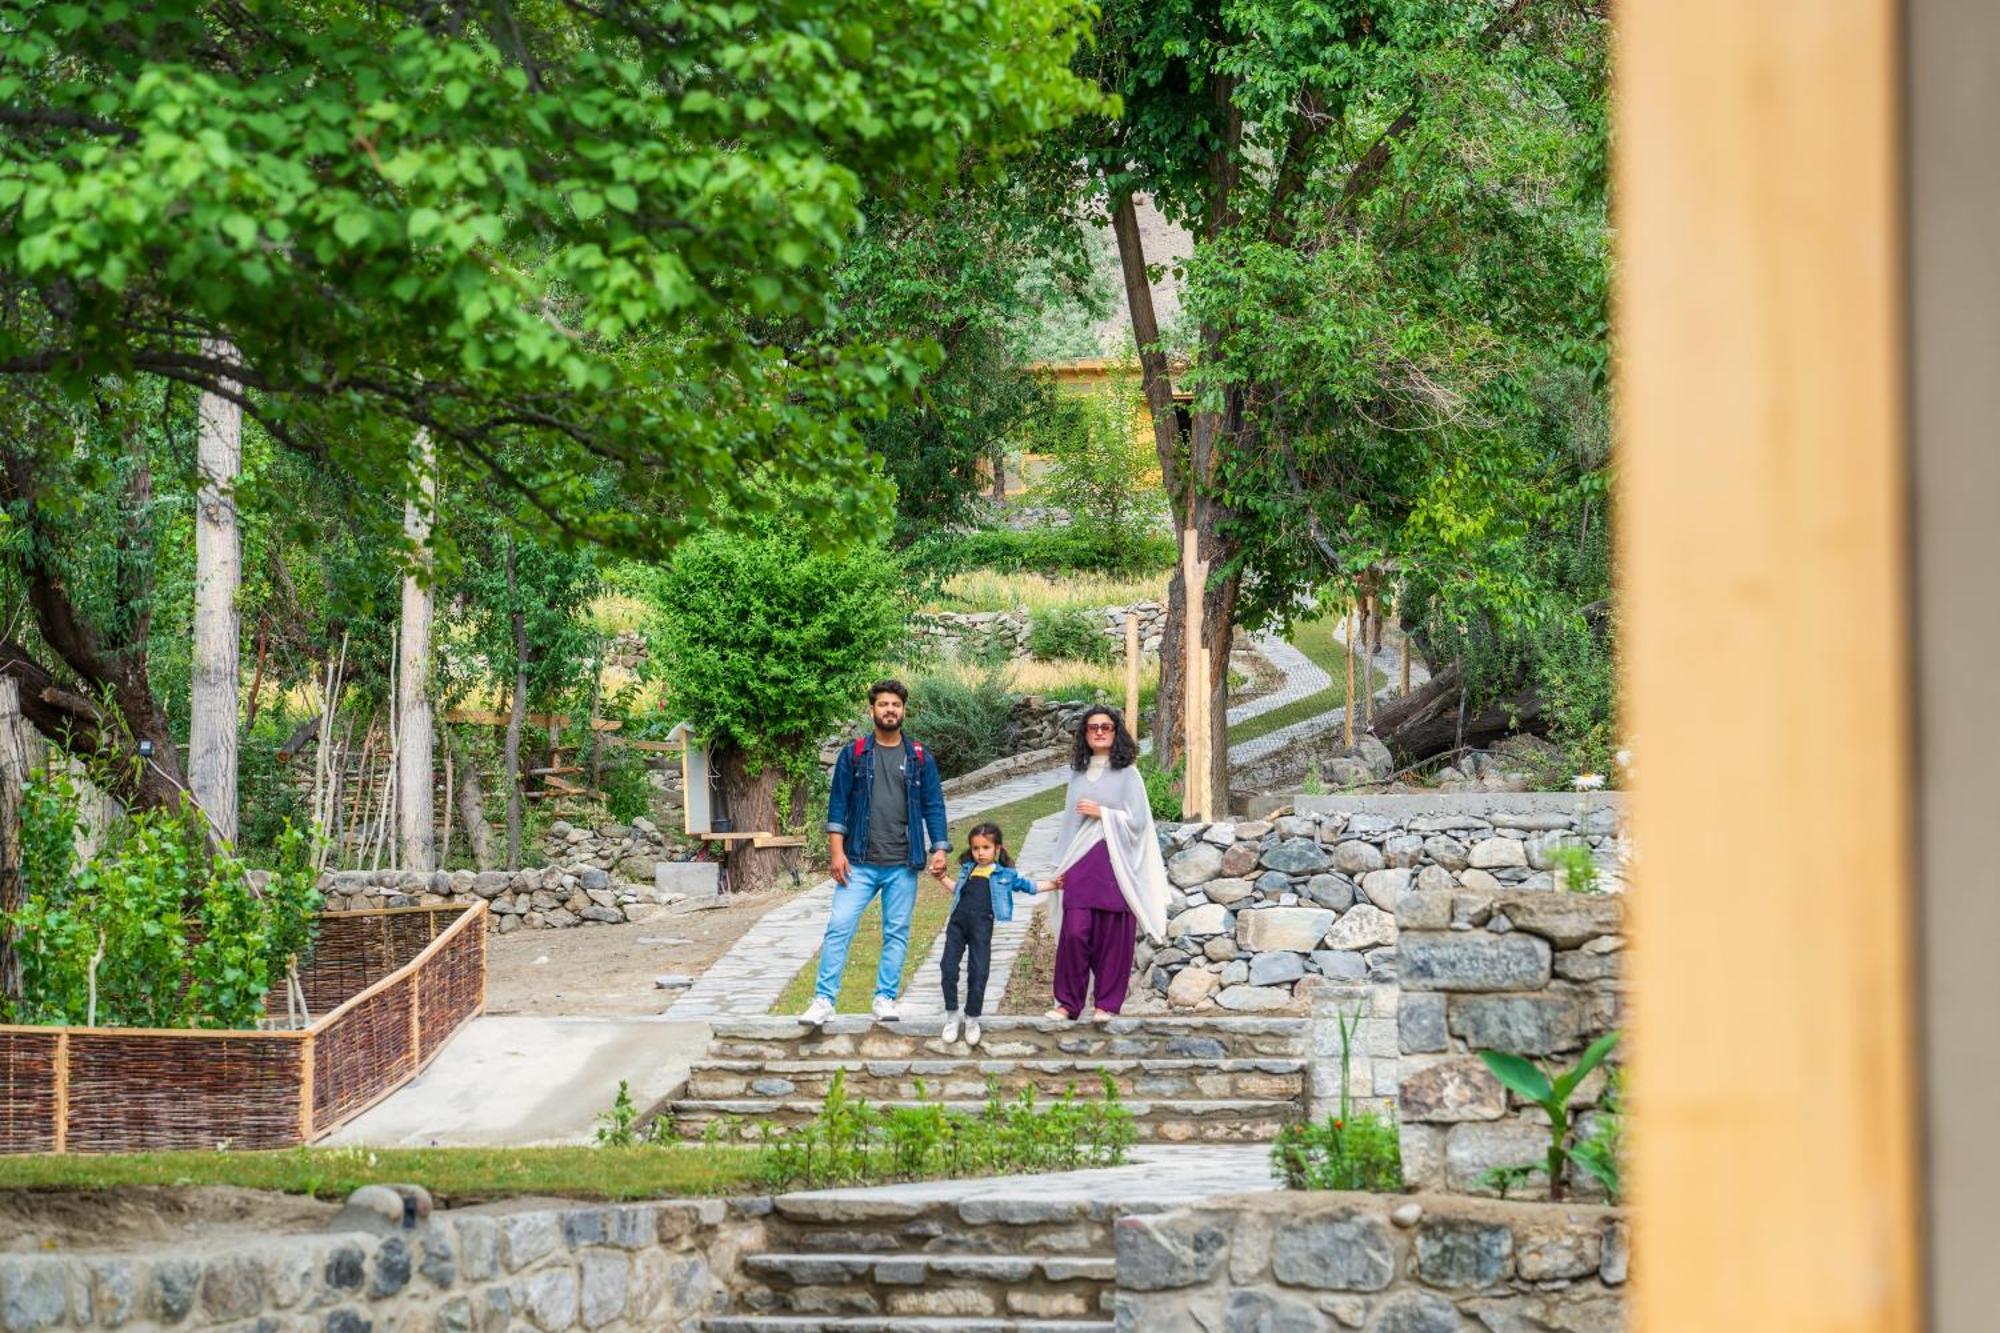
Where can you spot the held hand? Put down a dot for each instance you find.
(937, 863)
(1090, 809)
(840, 867)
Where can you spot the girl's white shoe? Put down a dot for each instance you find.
(971, 1032)
(950, 1032)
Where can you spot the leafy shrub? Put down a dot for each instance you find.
(1068, 634)
(628, 792)
(1600, 1148)
(153, 931)
(1050, 551)
(1163, 787)
(963, 723)
(1348, 1151)
(1576, 674)
(850, 1142)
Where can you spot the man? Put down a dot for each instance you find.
(885, 819)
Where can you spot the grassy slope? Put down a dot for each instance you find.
(1316, 641)
(452, 1175)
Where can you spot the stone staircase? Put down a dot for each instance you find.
(840, 1260)
(1185, 1080)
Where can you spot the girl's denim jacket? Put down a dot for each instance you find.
(1005, 883)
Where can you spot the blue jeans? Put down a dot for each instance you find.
(898, 887)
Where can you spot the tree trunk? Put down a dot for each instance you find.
(472, 806)
(415, 815)
(218, 547)
(1428, 722)
(1192, 508)
(13, 778)
(753, 807)
(518, 716)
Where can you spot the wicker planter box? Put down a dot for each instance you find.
(390, 988)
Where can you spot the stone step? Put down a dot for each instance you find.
(857, 1037)
(894, 1080)
(863, 1222)
(1191, 1120)
(897, 1323)
(935, 1285)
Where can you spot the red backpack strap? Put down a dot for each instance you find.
(918, 746)
(860, 746)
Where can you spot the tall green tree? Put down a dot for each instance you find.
(551, 236)
(1397, 214)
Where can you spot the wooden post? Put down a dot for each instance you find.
(1347, 714)
(1405, 690)
(1205, 715)
(1194, 750)
(61, 1076)
(1132, 672)
(1762, 496)
(306, 1089)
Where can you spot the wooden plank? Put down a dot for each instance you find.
(1761, 499)
(776, 840)
(475, 717)
(306, 1090)
(61, 1076)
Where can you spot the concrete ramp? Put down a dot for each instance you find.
(518, 1081)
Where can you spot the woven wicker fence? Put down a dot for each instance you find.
(389, 987)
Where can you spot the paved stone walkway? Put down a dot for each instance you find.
(747, 980)
(1157, 1177)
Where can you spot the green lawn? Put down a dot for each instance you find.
(857, 982)
(452, 1175)
(1315, 640)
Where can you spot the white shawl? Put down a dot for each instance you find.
(1126, 830)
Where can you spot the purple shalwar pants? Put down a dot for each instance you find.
(1098, 936)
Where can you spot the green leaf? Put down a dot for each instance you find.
(1592, 1057)
(353, 227)
(1518, 1075)
(586, 204)
(622, 197)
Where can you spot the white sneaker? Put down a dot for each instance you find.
(818, 1011)
(886, 1010)
(971, 1032)
(950, 1032)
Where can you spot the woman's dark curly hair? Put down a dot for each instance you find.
(1124, 750)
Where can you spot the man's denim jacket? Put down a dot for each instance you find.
(854, 785)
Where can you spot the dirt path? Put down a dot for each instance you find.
(601, 971)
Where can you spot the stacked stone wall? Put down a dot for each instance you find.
(1363, 1261)
(955, 632)
(1437, 926)
(658, 1267)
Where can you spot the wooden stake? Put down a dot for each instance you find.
(61, 1076)
(1347, 714)
(1132, 672)
(306, 1089)
(1194, 750)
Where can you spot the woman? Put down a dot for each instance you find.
(1113, 880)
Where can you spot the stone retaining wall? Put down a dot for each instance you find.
(654, 1266)
(598, 876)
(1438, 924)
(1430, 1264)
(955, 632)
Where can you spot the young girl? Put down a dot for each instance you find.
(988, 872)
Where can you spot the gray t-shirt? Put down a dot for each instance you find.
(888, 809)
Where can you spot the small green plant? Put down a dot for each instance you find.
(618, 1126)
(1163, 787)
(1575, 867)
(1314, 784)
(1542, 1086)
(1600, 1147)
(1069, 634)
(851, 1142)
(1347, 1151)
(1504, 1180)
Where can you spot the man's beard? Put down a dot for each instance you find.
(892, 727)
